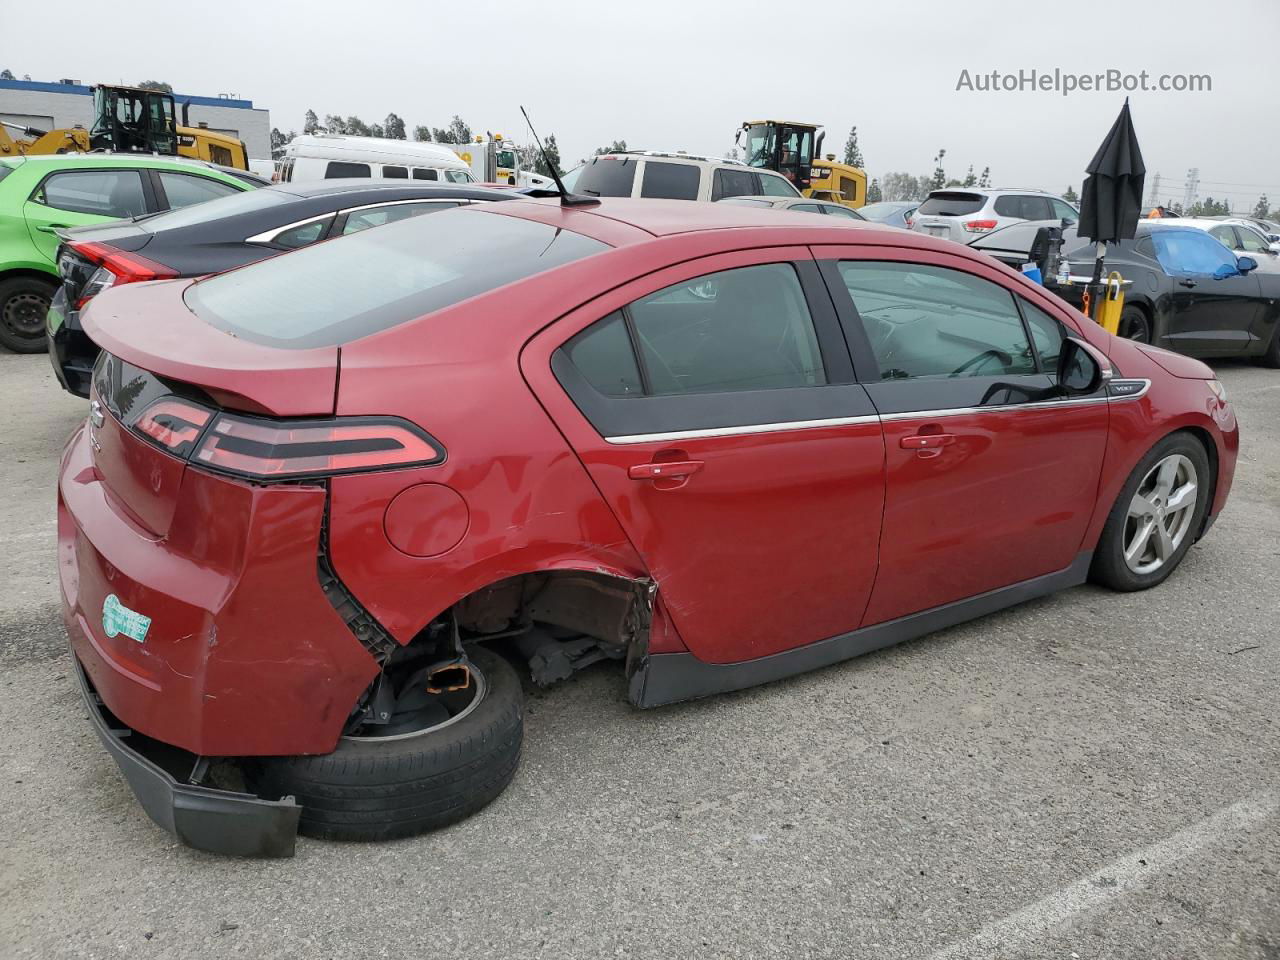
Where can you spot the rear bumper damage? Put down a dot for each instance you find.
(218, 821)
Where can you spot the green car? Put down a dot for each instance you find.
(40, 195)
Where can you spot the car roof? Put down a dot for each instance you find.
(359, 185)
(672, 155)
(110, 159)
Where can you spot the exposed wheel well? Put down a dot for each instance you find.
(48, 278)
(1205, 439)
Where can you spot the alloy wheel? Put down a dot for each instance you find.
(1160, 514)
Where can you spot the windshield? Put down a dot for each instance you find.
(507, 159)
(229, 206)
(760, 142)
(348, 288)
(605, 177)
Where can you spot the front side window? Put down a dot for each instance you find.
(182, 189)
(736, 330)
(772, 185)
(458, 176)
(670, 181)
(932, 322)
(335, 292)
(337, 169)
(378, 216)
(1063, 210)
(728, 182)
(1250, 242)
(102, 193)
(838, 211)
(1193, 252)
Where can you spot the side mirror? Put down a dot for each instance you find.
(1245, 264)
(1068, 222)
(1082, 369)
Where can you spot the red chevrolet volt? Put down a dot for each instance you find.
(330, 511)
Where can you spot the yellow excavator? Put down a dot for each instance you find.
(129, 120)
(794, 149)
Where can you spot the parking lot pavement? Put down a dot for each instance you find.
(1090, 775)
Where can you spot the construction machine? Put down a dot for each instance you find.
(130, 120)
(794, 149)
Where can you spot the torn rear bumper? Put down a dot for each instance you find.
(219, 821)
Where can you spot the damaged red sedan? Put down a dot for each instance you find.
(328, 509)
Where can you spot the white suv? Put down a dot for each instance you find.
(964, 214)
(674, 176)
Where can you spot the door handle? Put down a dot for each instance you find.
(927, 441)
(1186, 282)
(664, 471)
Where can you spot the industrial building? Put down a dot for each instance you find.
(69, 103)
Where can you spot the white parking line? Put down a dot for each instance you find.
(1024, 927)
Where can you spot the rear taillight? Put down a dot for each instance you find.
(264, 449)
(980, 226)
(114, 268)
(910, 223)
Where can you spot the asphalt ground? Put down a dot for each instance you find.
(1090, 775)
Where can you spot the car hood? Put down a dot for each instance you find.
(1178, 365)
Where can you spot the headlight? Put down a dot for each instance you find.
(1218, 389)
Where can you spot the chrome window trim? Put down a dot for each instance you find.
(268, 236)
(754, 428)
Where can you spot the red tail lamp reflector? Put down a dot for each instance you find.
(980, 226)
(116, 267)
(278, 450)
(173, 424)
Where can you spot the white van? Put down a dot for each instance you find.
(324, 156)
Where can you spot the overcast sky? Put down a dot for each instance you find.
(683, 75)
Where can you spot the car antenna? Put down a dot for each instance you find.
(567, 199)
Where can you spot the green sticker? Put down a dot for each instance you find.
(118, 619)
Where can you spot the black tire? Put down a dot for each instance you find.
(24, 301)
(1109, 567)
(384, 789)
(1134, 324)
(1272, 356)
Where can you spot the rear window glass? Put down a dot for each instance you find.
(671, 181)
(952, 204)
(348, 288)
(607, 177)
(245, 201)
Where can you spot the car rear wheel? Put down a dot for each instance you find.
(24, 301)
(1156, 517)
(1134, 324)
(440, 759)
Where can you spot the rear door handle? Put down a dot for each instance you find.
(927, 441)
(663, 471)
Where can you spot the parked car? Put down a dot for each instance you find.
(1268, 228)
(674, 176)
(1242, 237)
(327, 156)
(40, 195)
(1189, 292)
(311, 524)
(798, 205)
(217, 236)
(966, 214)
(893, 213)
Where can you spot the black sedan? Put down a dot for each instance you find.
(1189, 293)
(219, 235)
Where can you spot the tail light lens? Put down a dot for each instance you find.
(263, 449)
(980, 226)
(114, 268)
(910, 223)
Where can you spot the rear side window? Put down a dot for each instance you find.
(773, 186)
(424, 173)
(607, 177)
(348, 288)
(380, 216)
(732, 331)
(926, 321)
(182, 190)
(1024, 207)
(844, 212)
(395, 173)
(951, 204)
(102, 193)
(670, 181)
(304, 235)
(340, 168)
(733, 183)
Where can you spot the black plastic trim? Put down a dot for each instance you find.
(672, 677)
(218, 821)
